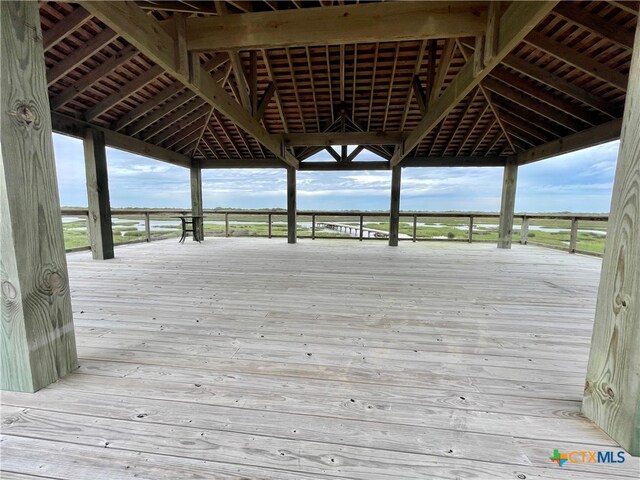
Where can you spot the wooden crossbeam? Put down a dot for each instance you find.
(554, 81)
(147, 34)
(516, 22)
(76, 128)
(333, 153)
(123, 92)
(587, 138)
(341, 138)
(79, 55)
(443, 68)
(418, 91)
(578, 60)
(414, 162)
(64, 27)
(338, 25)
(92, 77)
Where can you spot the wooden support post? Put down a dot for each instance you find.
(361, 226)
(573, 239)
(269, 225)
(291, 205)
(415, 227)
(394, 210)
(507, 206)
(470, 237)
(37, 341)
(226, 224)
(147, 226)
(612, 387)
(524, 231)
(95, 162)
(196, 200)
(313, 227)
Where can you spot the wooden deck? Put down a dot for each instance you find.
(252, 358)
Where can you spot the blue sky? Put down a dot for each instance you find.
(577, 182)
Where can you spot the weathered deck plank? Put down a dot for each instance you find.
(254, 358)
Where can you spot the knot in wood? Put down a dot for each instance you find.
(53, 282)
(610, 393)
(8, 290)
(26, 115)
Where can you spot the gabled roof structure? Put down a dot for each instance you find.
(286, 79)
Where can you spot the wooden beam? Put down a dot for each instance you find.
(64, 27)
(435, 161)
(552, 80)
(337, 25)
(37, 341)
(564, 112)
(263, 103)
(394, 208)
(170, 122)
(92, 77)
(165, 109)
(443, 67)
(612, 387)
(79, 55)
(578, 60)
(509, 181)
(596, 24)
(519, 19)
(418, 91)
(75, 128)
(196, 200)
(534, 105)
(333, 153)
(123, 92)
(292, 223)
(147, 34)
(145, 107)
(355, 153)
(341, 138)
(99, 222)
(590, 137)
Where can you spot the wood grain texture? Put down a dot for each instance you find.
(508, 203)
(37, 339)
(99, 205)
(292, 208)
(612, 388)
(394, 207)
(328, 360)
(196, 200)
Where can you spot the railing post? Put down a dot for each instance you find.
(269, 226)
(313, 227)
(573, 239)
(470, 228)
(524, 230)
(147, 226)
(415, 227)
(226, 224)
(361, 226)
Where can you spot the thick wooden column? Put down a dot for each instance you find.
(95, 164)
(196, 200)
(612, 388)
(394, 209)
(292, 218)
(37, 341)
(509, 180)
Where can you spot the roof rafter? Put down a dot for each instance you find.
(148, 35)
(516, 22)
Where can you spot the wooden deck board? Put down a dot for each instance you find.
(252, 358)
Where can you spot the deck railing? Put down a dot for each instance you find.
(475, 226)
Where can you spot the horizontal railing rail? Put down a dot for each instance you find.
(357, 228)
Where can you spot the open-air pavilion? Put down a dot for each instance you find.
(256, 358)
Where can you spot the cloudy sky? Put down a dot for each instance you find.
(577, 182)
